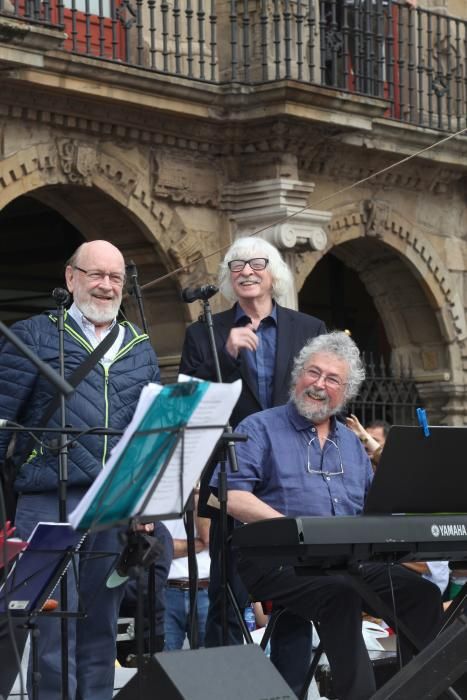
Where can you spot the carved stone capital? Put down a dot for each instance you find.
(278, 210)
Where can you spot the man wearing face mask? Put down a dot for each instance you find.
(256, 339)
(105, 397)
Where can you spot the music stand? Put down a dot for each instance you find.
(416, 474)
(33, 578)
(159, 460)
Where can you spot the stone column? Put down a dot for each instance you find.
(276, 210)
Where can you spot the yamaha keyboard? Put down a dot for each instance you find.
(339, 541)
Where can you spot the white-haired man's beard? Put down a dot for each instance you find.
(313, 413)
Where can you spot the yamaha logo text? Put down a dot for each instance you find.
(453, 530)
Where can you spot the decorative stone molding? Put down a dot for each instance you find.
(77, 161)
(346, 164)
(188, 252)
(374, 218)
(29, 38)
(129, 124)
(187, 179)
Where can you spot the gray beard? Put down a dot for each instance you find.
(315, 415)
(96, 315)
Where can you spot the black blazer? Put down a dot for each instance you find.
(293, 331)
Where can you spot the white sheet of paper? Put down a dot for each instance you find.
(214, 409)
(172, 491)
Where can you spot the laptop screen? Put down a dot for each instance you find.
(418, 474)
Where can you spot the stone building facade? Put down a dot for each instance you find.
(171, 170)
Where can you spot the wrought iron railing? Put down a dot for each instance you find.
(414, 59)
(388, 393)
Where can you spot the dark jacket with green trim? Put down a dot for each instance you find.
(106, 397)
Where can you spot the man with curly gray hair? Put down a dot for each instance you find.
(300, 461)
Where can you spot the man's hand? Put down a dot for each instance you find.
(248, 508)
(239, 338)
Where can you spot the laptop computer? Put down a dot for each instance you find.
(419, 474)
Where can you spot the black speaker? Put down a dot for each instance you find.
(231, 673)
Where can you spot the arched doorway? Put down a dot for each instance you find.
(41, 230)
(368, 288)
(335, 293)
(35, 242)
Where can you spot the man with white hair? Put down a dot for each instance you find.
(300, 461)
(257, 339)
(106, 397)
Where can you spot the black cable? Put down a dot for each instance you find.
(193, 627)
(4, 576)
(49, 446)
(396, 628)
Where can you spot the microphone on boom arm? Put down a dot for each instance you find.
(203, 293)
(61, 296)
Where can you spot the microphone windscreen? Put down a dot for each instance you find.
(61, 296)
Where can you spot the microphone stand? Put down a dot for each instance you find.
(62, 297)
(65, 390)
(228, 452)
(135, 290)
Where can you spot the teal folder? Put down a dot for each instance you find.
(147, 453)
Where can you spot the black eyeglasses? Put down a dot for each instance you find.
(331, 381)
(98, 275)
(254, 263)
(323, 472)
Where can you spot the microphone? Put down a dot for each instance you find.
(61, 296)
(199, 293)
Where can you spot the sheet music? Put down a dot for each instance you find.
(173, 489)
(36, 572)
(100, 507)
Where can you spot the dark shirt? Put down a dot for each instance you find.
(261, 363)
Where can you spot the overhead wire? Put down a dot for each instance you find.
(311, 205)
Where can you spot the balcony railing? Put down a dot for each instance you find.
(414, 59)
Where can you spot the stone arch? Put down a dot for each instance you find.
(103, 193)
(415, 293)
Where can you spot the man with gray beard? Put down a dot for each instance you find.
(300, 461)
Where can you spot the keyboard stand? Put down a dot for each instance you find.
(433, 670)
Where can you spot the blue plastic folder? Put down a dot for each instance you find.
(38, 569)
